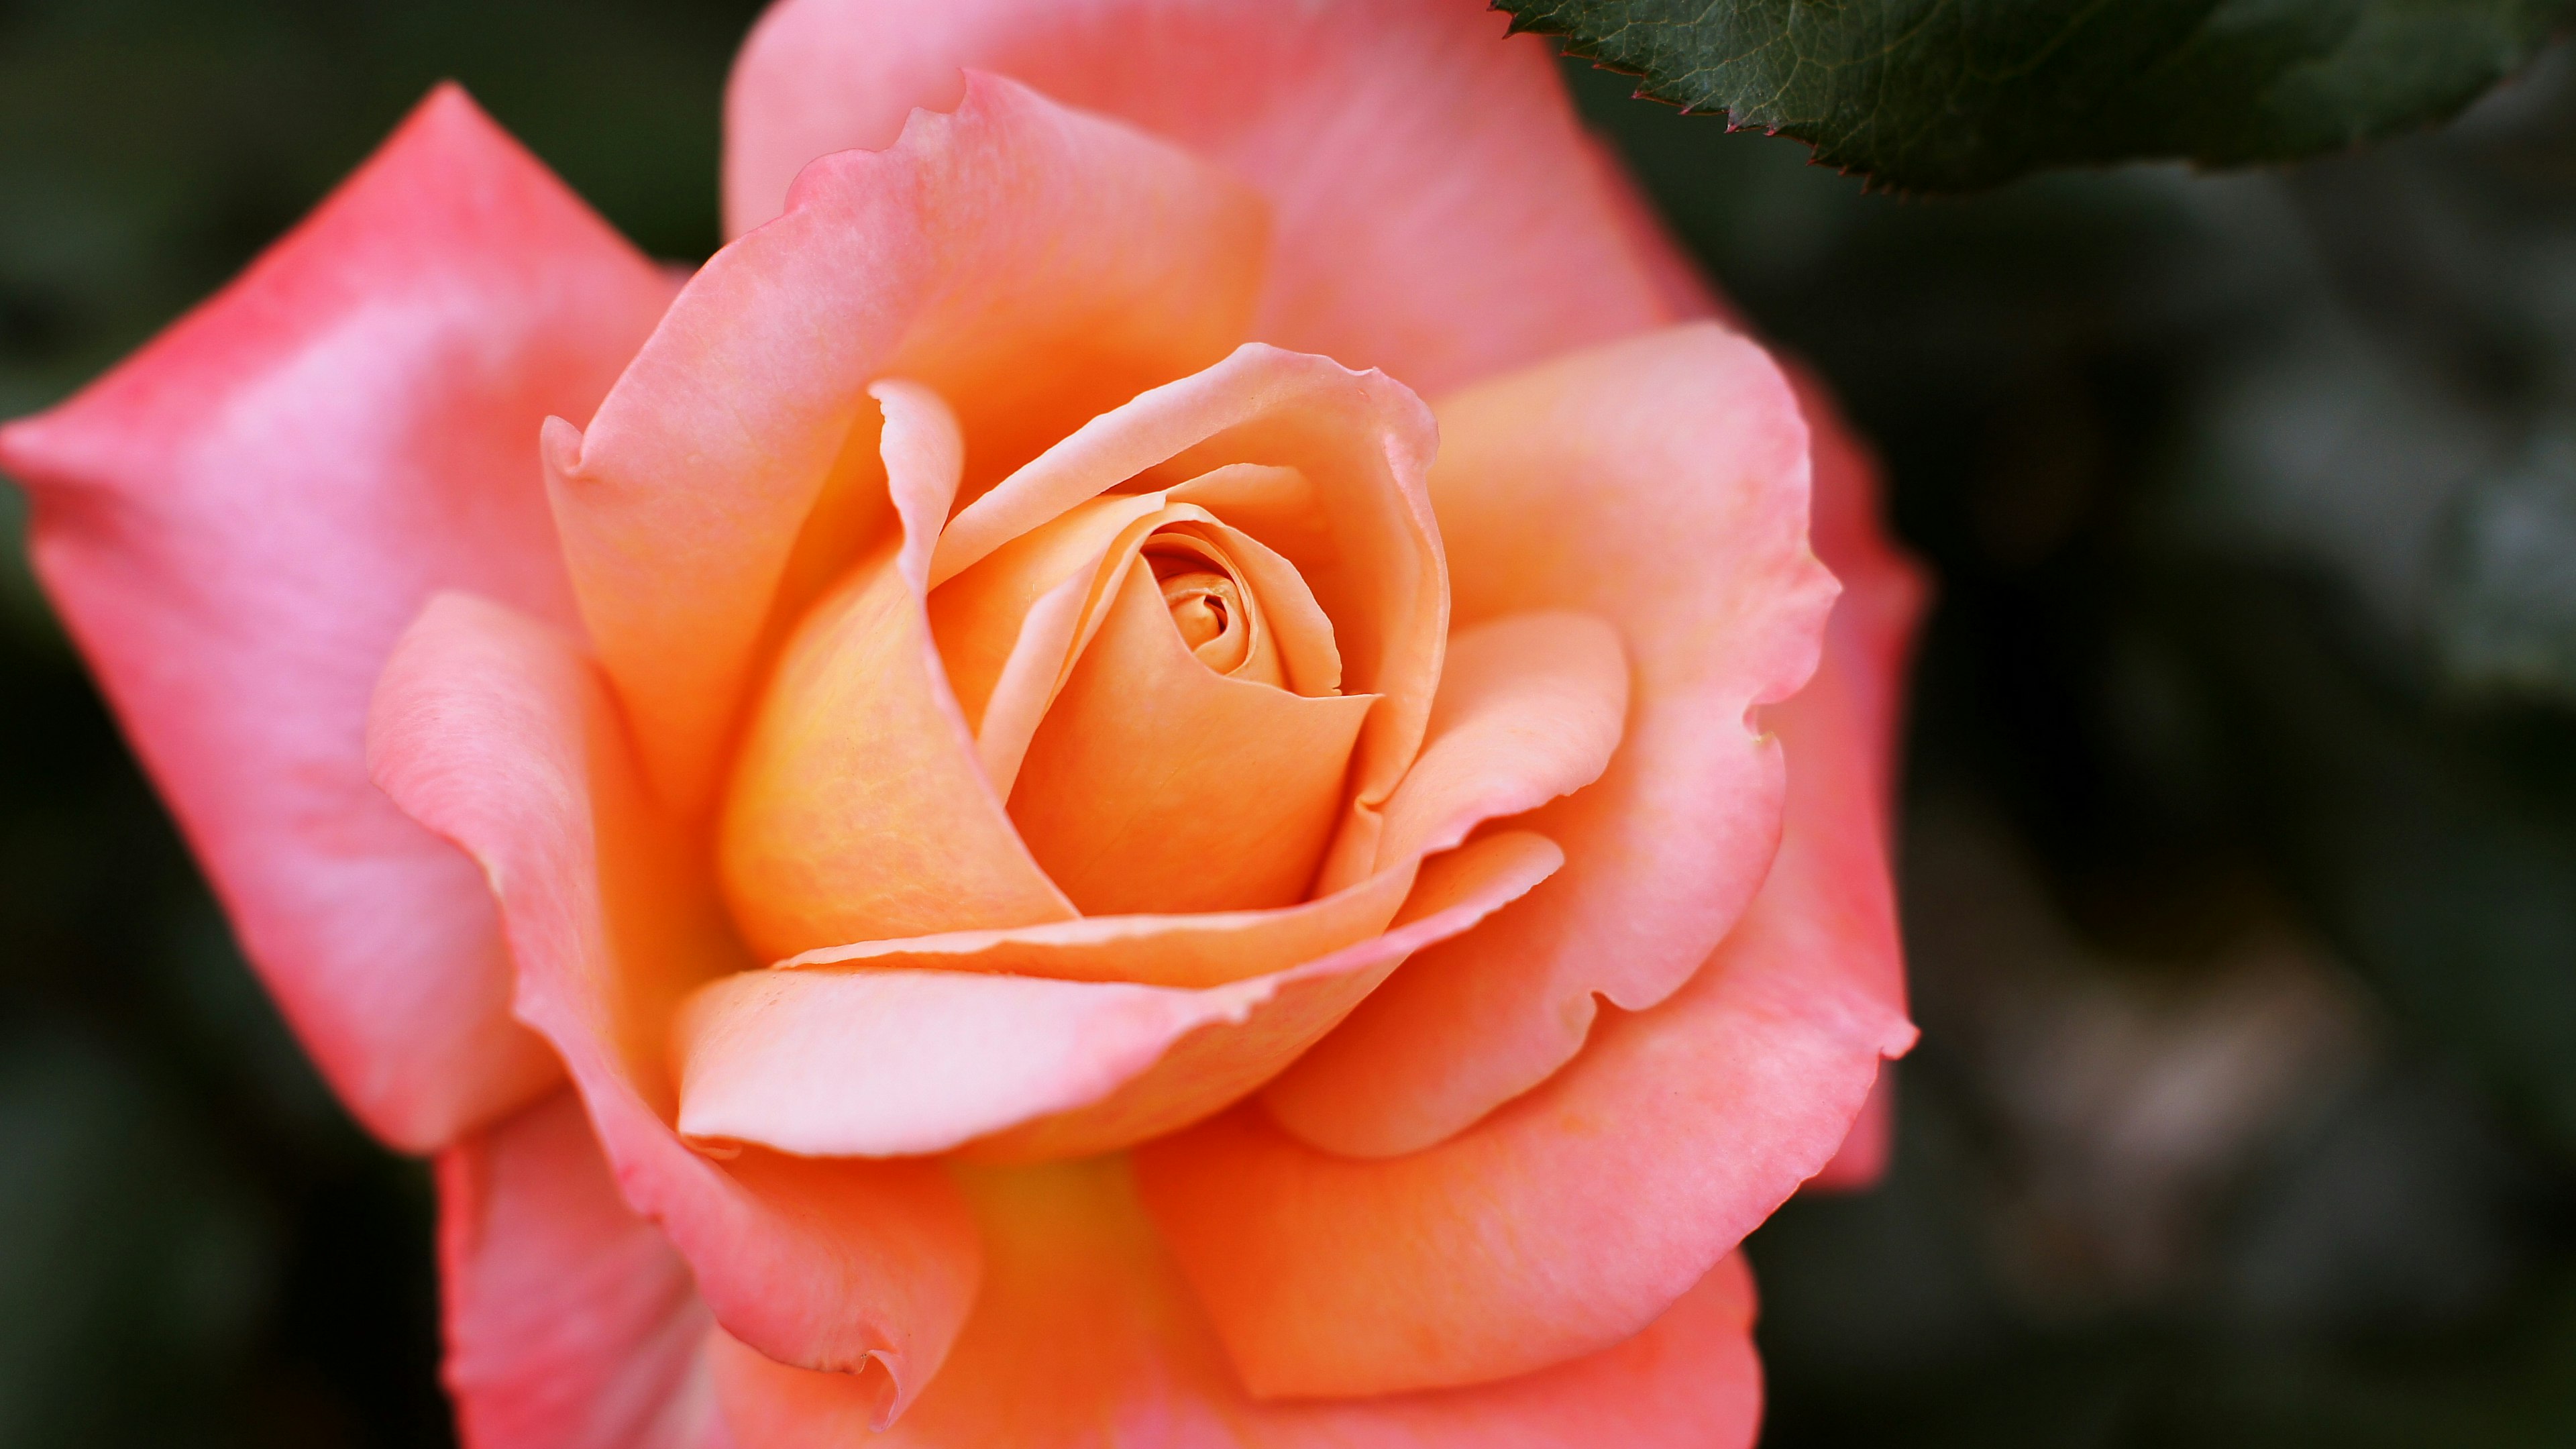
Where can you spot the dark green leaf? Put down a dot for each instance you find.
(1948, 95)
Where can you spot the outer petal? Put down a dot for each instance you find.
(883, 1063)
(1572, 1217)
(1441, 212)
(1033, 265)
(1084, 1337)
(1660, 483)
(238, 522)
(1841, 732)
(571, 1323)
(491, 731)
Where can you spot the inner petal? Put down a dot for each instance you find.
(1218, 615)
(1156, 784)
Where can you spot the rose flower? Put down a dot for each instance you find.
(977, 823)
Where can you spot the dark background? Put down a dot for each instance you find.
(2240, 845)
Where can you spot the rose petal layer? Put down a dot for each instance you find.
(570, 1322)
(489, 729)
(879, 1062)
(1660, 484)
(238, 522)
(1570, 1218)
(858, 808)
(1842, 740)
(1440, 210)
(890, 1058)
(1032, 264)
(1084, 1336)
(1156, 784)
(1336, 488)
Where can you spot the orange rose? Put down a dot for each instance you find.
(1067, 843)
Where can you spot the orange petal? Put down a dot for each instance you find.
(1203, 949)
(1156, 784)
(1660, 484)
(1011, 626)
(1530, 708)
(979, 616)
(882, 1062)
(858, 808)
(490, 730)
(1360, 532)
(1035, 263)
(1085, 1336)
(1568, 1219)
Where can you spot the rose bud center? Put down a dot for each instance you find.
(1177, 769)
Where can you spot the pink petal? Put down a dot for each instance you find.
(1862, 1160)
(1660, 484)
(1033, 265)
(1841, 736)
(490, 730)
(1572, 1217)
(1440, 211)
(881, 1062)
(238, 522)
(571, 1323)
(1086, 1337)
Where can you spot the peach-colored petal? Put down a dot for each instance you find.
(1032, 264)
(489, 729)
(1156, 784)
(1661, 484)
(979, 618)
(1531, 706)
(1359, 531)
(237, 523)
(570, 1322)
(1441, 212)
(880, 1062)
(1203, 949)
(1295, 626)
(1049, 591)
(1086, 1337)
(858, 809)
(1570, 1218)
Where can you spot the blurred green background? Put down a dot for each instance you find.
(2240, 847)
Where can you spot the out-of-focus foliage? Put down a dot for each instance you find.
(2241, 842)
(1949, 95)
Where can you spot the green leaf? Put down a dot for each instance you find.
(1953, 95)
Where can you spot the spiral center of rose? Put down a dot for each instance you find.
(1208, 603)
